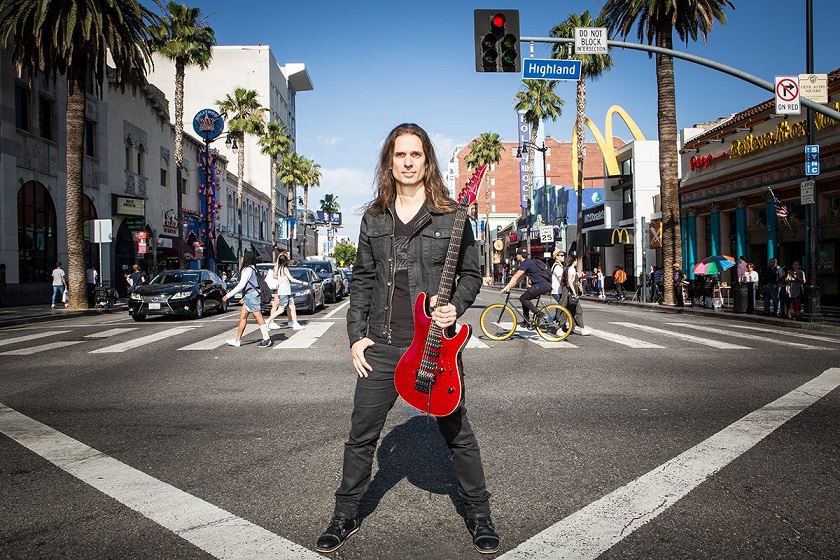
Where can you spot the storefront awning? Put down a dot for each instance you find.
(262, 254)
(224, 254)
(609, 236)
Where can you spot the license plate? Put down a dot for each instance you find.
(154, 306)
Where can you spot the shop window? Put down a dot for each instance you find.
(22, 108)
(37, 237)
(46, 118)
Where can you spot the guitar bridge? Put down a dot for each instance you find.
(424, 381)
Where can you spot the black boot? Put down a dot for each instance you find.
(339, 530)
(485, 537)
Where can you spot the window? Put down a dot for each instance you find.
(37, 238)
(22, 108)
(141, 160)
(128, 158)
(46, 110)
(163, 182)
(90, 138)
(184, 184)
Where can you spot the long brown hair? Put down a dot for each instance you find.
(437, 195)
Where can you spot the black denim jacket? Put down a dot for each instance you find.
(373, 273)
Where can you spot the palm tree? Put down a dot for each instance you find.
(486, 150)
(538, 101)
(311, 178)
(182, 37)
(275, 144)
(656, 21)
(592, 66)
(292, 173)
(73, 38)
(329, 205)
(245, 115)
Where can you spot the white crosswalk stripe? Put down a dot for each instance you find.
(219, 340)
(624, 340)
(308, 336)
(41, 348)
(28, 337)
(725, 332)
(770, 330)
(684, 337)
(111, 332)
(142, 341)
(475, 342)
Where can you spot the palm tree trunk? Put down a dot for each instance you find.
(179, 152)
(581, 150)
(668, 181)
(240, 170)
(305, 217)
(271, 213)
(76, 99)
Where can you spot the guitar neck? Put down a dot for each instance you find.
(448, 275)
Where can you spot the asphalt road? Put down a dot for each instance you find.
(660, 436)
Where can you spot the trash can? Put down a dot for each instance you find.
(740, 297)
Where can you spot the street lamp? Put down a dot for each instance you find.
(523, 149)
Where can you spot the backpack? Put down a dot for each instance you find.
(265, 292)
(543, 271)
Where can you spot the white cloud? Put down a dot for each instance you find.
(353, 189)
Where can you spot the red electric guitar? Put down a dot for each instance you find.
(427, 376)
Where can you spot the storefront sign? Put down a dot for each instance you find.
(125, 206)
(702, 162)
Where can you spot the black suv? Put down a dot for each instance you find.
(331, 278)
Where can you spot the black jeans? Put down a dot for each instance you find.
(533, 292)
(375, 395)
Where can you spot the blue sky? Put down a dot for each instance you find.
(375, 64)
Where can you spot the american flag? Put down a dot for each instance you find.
(781, 209)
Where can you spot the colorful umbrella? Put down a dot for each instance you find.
(714, 264)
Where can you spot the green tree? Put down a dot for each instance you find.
(73, 38)
(538, 101)
(311, 173)
(292, 174)
(592, 67)
(485, 150)
(275, 144)
(656, 21)
(345, 254)
(329, 205)
(244, 115)
(183, 38)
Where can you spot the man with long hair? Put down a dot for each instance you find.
(403, 241)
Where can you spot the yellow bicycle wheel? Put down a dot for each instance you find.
(498, 322)
(555, 323)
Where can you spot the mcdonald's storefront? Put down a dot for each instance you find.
(744, 192)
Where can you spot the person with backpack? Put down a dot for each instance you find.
(250, 284)
(540, 278)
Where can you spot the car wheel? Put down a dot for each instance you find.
(138, 317)
(321, 306)
(313, 305)
(199, 309)
(222, 307)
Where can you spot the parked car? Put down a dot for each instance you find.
(348, 278)
(333, 279)
(309, 297)
(178, 292)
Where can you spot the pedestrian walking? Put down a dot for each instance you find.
(250, 287)
(572, 290)
(91, 276)
(59, 285)
(750, 278)
(283, 298)
(619, 278)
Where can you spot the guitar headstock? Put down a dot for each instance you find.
(470, 191)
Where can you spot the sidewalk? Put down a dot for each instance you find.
(26, 314)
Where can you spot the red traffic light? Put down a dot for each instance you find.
(498, 21)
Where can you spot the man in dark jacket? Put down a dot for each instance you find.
(402, 251)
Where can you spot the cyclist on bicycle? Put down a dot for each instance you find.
(539, 284)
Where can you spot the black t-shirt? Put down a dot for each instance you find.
(402, 311)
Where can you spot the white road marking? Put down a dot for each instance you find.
(685, 337)
(110, 332)
(142, 340)
(306, 337)
(220, 339)
(41, 348)
(475, 342)
(786, 332)
(589, 532)
(27, 337)
(212, 529)
(625, 340)
(336, 310)
(780, 341)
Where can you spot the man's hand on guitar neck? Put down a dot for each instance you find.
(443, 316)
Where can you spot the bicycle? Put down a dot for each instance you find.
(499, 320)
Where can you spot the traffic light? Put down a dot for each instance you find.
(496, 41)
